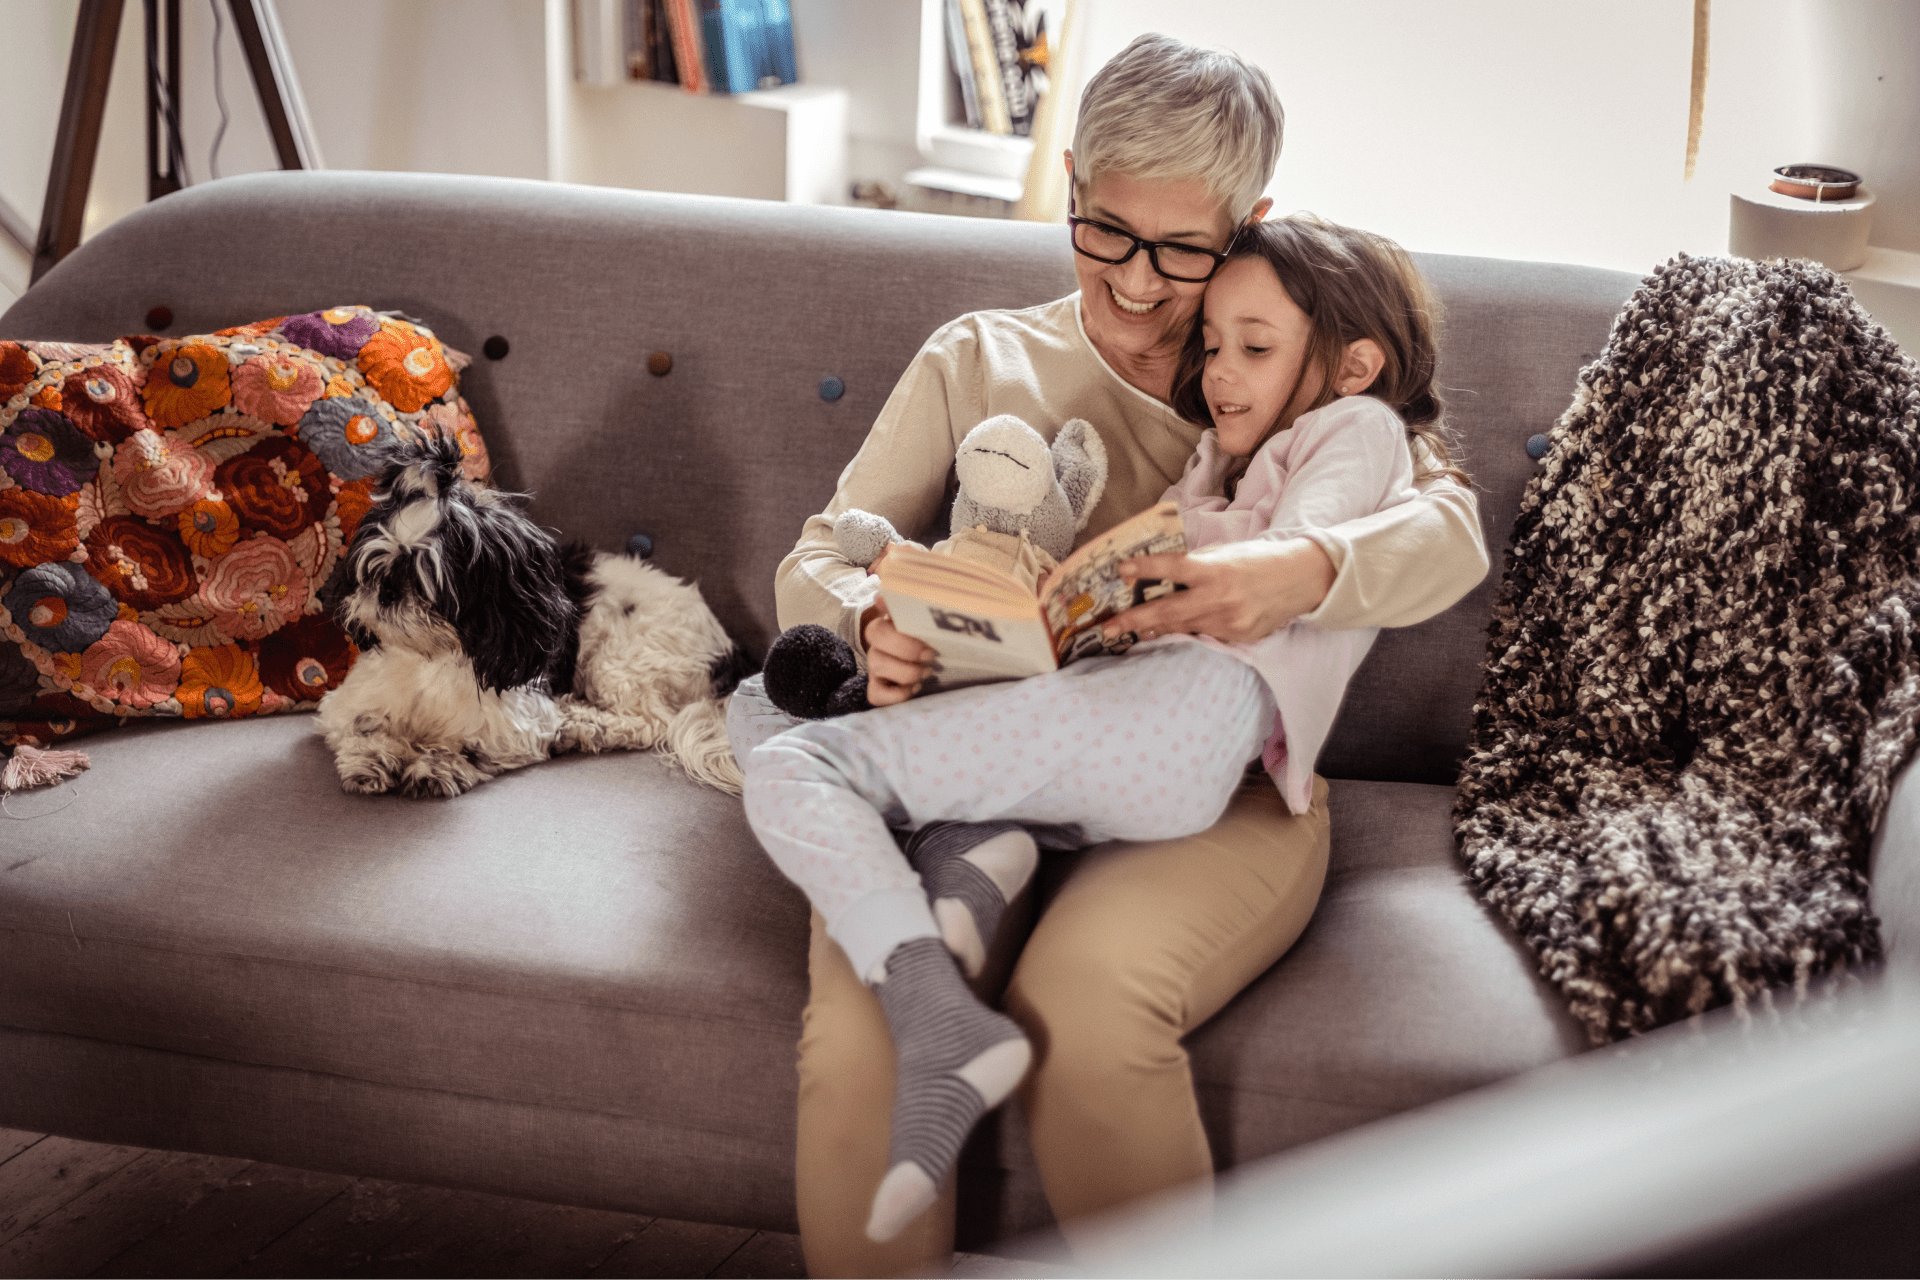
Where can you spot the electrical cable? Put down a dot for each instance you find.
(219, 96)
(169, 113)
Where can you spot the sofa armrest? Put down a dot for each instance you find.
(1895, 873)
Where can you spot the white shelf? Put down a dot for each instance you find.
(967, 184)
(993, 155)
(948, 147)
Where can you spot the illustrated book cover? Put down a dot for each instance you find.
(987, 625)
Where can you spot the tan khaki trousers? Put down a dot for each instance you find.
(1142, 944)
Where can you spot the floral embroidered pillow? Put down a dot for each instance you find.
(171, 508)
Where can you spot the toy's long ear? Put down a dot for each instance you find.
(1080, 462)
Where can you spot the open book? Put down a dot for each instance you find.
(986, 625)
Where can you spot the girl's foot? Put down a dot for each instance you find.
(971, 872)
(956, 1061)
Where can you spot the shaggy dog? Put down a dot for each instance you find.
(653, 670)
(485, 648)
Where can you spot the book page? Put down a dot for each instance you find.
(1086, 589)
(952, 580)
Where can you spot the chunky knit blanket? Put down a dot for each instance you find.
(1701, 680)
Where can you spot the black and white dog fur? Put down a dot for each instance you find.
(485, 647)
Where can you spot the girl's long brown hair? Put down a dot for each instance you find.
(1352, 284)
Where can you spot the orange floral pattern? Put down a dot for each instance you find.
(187, 384)
(221, 681)
(406, 366)
(37, 527)
(214, 500)
(17, 367)
(251, 330)
(209, 528)
(351, 503)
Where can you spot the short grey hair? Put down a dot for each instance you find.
(1163, 108)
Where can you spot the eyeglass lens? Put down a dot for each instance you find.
(1171, 261)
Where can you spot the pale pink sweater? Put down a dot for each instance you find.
(1338, 463)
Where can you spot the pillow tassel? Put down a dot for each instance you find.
(39, 767)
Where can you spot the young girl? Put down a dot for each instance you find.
(1314, 363)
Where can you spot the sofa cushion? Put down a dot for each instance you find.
(1403, 990)
(592, 933)
(170, 510)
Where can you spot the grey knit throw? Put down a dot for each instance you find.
(1701, 680)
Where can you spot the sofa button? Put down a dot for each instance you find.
(160, 317)
(831, 388)
(1537, 446)
(640, 546)
(495, 348)
(659, 364)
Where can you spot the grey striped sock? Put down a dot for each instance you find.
(951, 1069)
(938, 852)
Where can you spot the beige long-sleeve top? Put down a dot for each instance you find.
(1392, 569)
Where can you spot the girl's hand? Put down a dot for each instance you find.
(896, 662)
(1238, 592)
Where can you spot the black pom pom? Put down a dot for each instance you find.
(811, 673)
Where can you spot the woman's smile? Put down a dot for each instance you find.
(1129, 305)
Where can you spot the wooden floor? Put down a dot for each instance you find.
(70, 1208)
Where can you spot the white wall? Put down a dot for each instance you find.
(433, 86)
(448, 86)
(1520, 129)
(871, 49)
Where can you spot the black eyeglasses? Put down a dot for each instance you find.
(1187, 263)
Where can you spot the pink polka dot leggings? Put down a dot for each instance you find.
(1144, 747)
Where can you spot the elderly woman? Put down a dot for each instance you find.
(1144, 941)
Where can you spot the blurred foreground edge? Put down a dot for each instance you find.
(1785, 1142)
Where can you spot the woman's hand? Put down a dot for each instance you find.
(1239, 591)
(896, 662)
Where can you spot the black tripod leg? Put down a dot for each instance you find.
(95, 34)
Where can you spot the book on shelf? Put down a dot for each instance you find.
(649, 42)
(683, 26)
(1032, 53)
(960, 58)
(748, 43)
(633, 39)
(987, 625)
(989, 90)
(1002, 31)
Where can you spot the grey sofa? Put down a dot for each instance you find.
(583, 982)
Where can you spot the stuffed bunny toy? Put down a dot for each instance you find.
(1019, 505)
